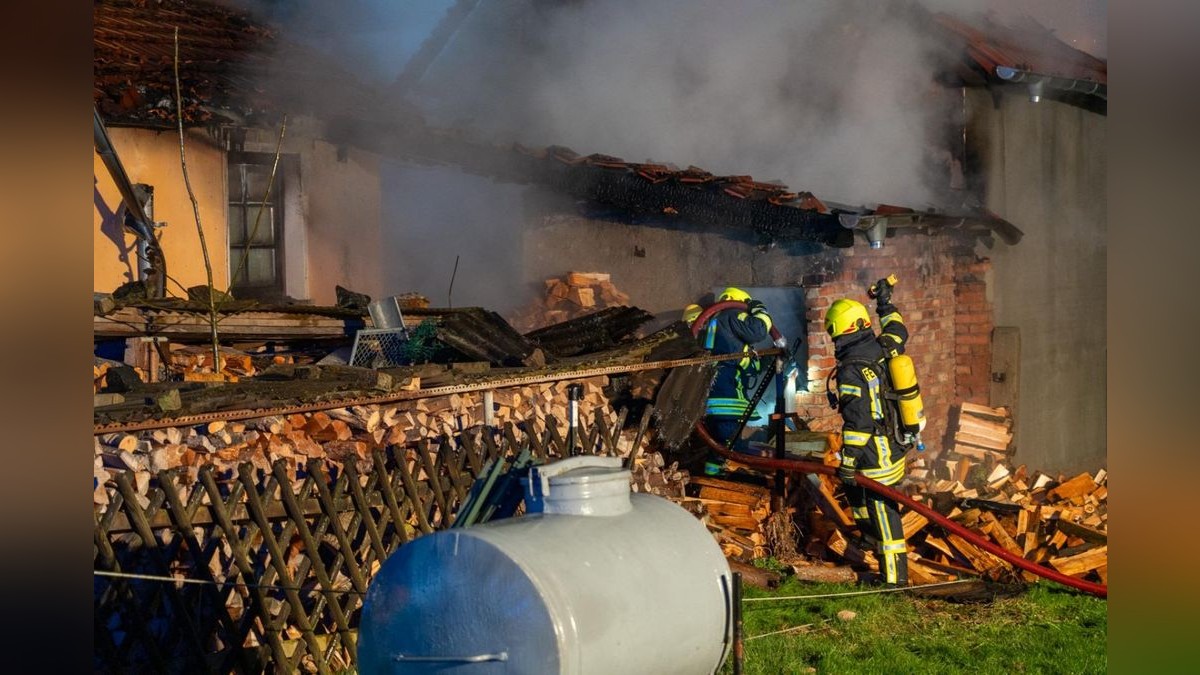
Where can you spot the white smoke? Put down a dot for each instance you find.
(829, 96)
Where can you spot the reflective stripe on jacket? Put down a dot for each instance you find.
(865, 445)
(729, 332)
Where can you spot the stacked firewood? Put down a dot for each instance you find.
(651, 475)
(352, 434)
(1055, 520)
(195, 363)
(568, 297)
(100, 368)
(735, 512)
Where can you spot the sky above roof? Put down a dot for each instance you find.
(377, 37)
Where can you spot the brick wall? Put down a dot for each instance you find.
(941, 295)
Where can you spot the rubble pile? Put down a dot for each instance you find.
(568, 297)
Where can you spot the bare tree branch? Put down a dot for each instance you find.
(212, 307)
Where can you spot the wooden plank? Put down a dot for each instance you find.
(978, 453)
(1076, 487)
(434, 479)
(129, 322)
(320, 481)
(989, 442)
(946, 568)
(1086, 533)
(399, 456)
(842, 546)
(718, 509)
(980, 559)
(732, 496)
(757, 491)
(977, 426)
(1081, 563)
(919, 575)
(998, 414)
(1005, 378)
(828, 503)
(912, 523)
(998, 534)
(120, 591)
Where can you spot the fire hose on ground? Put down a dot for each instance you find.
(799, 466)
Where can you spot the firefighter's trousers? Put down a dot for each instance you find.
(880, 516)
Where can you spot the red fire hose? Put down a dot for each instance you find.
(721, 306)
(798, 466)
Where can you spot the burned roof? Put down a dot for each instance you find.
(772, 212)
(233, 67)
(134, 57)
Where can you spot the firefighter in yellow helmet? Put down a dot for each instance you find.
(732, 331)
(691, 313)
(861, 382)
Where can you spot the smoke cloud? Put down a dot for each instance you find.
(828, 96)
(835, 97)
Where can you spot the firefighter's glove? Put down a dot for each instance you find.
(846, 473)
(755, 307)
(882, 292)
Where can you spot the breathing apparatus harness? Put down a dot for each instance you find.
(903, 411)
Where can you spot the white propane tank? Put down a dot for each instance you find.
(593, 579)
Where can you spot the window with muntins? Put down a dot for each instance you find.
(255, 228)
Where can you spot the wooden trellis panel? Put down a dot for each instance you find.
(284, 563)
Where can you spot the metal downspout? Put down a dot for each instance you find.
(138, 221)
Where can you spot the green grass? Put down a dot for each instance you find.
(1048, 629)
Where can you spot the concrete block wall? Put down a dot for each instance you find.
(941, 295)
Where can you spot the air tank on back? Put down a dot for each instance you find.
(594, 579)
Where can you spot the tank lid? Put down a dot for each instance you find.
(582, 486)
(589, 474)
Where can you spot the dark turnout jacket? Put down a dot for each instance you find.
(729, 332)
(860, 372)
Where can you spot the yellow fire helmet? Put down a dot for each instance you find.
(735, 294)
(691, 313)
(846, 316)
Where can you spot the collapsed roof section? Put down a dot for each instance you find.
(134, 58)
(233, 68)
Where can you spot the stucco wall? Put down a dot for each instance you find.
(1045, 170)
(676, 268)
(335, 196)
(432, 215)
(344, 245)
(339, 201)
(152, 157)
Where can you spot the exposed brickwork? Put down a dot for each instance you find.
(942, 296)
